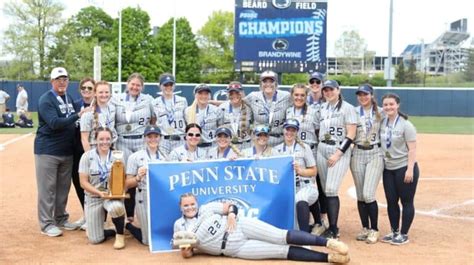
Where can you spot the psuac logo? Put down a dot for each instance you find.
(248, 14)
(281, 4)
(245, 209)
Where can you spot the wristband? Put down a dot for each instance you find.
(346, 143)
(233, 209)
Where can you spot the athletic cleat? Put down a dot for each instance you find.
(362, 236)
(338, 258)
(400, 239)
(388, 238)
(84, 226)
(329, 234)
(372, 237)
(119, 241)
(337, 246)
(318, 230)
(70, 226)
(53, 231)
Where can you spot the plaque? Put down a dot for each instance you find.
(117, 178)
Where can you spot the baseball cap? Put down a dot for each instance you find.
(259, 129)
(268, 74)
(330, 84)
(316, 75)
(365, 88)
(166, 79)
(58, 72)
(224, 130)
(292, 123)
(152, 129)
(202, 87)
(234, 86)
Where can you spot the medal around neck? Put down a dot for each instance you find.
(117, 178)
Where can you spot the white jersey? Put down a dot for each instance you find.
(22, 100)
(210, 227)
(105, 118)
(183, 154)
(394, 141)
(213, 153)
(368, 128)
(252, 152)
(209, 119)
(170, 114)
(141, 159)
(309, 123)
(239, 120)
(303, 154)
(332, 122)
(270, 113)
(132, 116)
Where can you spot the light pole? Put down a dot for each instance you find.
(389, 67)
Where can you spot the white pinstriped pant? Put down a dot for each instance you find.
(331, 177)
(95, 215)
(367, 169)
(141, 205)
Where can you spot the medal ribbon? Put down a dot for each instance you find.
(270, 107)
(201, 117)
(388, 133)
(170, 111)
(61, 102)
(104, 168)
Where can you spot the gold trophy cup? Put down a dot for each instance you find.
(117, 178)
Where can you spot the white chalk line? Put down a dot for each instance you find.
(2, 146)
(433, 213)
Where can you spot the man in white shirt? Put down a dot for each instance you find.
(22, 102)
(3, 102)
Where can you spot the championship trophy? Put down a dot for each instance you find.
(117, 178)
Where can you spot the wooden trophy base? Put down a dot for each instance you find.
(123, 196)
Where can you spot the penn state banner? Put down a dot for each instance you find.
(262, 188)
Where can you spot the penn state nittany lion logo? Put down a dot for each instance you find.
(280, 45)
(245, 209)
(281, 4)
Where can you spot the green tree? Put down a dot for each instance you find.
(401, 73)
(411, 76)
(33, 23)
(188, 64)
(469, 70)
(350, 49)
(216, 45)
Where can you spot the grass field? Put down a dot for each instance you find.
(438, 125)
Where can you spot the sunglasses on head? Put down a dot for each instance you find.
(312, 81)
(87, 87)
(194, 134)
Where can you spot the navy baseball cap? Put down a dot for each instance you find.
(316, 75)
(152, 129)
(365, 88)
(202, 87)
(292, 123)
(224, 130)
(166, 79)
(331, 84)
(259, 129)
(235, 86)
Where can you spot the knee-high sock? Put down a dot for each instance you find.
(296, 237)
(333, 212)
(373, 211)
(363, 214)
(119, 223)
(302, 214)
(302, 254)
(135, 231)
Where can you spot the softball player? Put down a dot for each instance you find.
(401, 173)
(137, 167)
(220, 232)
(224, 148)
(337, 130)
(260, 148)
(367, 162)
(305, 169)
(315, 81)
(206, 115)
(134, 111)
(103, 116)
(269, 106)
(190, 151)
(237, 116)
(94, 171)
(169, 110)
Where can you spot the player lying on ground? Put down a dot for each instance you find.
(218, 231)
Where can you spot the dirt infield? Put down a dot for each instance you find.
(442, 232)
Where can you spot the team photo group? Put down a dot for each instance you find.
(327, 137)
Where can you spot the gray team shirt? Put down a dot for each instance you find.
(97, 170)
(105, 118)
(209, 119)
(309, 123)
(170, 114)
(232, 119)
(368, 128)
(141, 159)
(333, 122)
(394, 141)
(182, 154)
(262, 109)
(132, 116)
